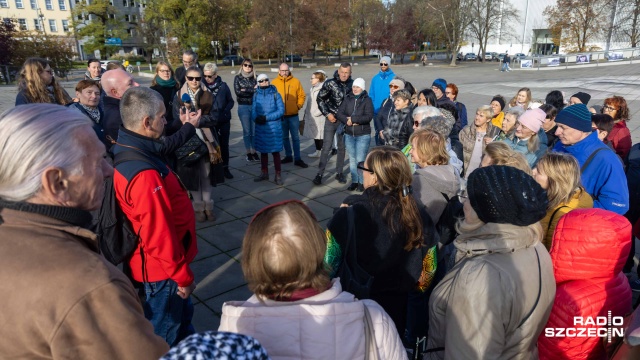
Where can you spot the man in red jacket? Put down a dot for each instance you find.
(158, 206)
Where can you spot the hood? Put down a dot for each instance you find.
(389, 74)
(590, 244)
(442, 178)
(494, 238)
(285, 78)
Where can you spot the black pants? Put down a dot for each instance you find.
(223, 131)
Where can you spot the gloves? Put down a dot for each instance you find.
(261, 119)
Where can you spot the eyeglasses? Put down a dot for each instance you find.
(395, 87)
(361, 167)
(284, 70)
(210, 76)
(609, 108)
(247, 65)
(164, 71)
(194, 78)
(264, 80)
(384, 64)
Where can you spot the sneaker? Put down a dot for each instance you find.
(227, 173)
(315, 154)
(318, 179)
(353, 186)
(287, 159)
(334, 151)
(300, 163)
(360, 187)
(249, 157)
(255, 157)
(635, 285)
(341, 179)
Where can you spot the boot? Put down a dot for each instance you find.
(263, 176)
(278, 178)
(198, 208)
(208, 211)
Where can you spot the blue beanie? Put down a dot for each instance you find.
(440, 84)
(575, 116)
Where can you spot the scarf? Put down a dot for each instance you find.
(214, 88)
(68, 215)
(87, 76)
(94, 113)
(246, 74)
(192, 95)
(166, 83)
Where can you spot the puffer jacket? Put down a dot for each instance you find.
(580, 200)
(468, 139)
(244, 87)
(589, 250)
(332, 94)
(267, 102)
(399, 128)
(361, 112)
(292, 93)
(429, 183)
(379, 88)
(521, 147)
(329, 325)
(479, 310)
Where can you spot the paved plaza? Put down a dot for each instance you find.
(217, 267)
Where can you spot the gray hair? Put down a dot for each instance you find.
(138, 103)
(190, 52)
(33, 138)
(422, 112)
(210, 67)
(516, 110)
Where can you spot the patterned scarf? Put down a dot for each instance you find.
(94, 113)
(192, 95)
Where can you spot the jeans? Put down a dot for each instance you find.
(505, 66)
(248, 127)
(291, 124)
(357, 148)
(223, 131)
(329, 133)
(169, 314)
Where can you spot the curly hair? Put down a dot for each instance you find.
(619, 103)
(33, 87)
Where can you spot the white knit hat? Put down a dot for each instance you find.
(262, 77)
(359, 82)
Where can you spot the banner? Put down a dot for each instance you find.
(614, 56)
(526, 64)
(554, 61)
(582, 59)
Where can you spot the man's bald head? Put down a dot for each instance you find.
(116, 82)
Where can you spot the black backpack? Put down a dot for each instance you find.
(446, 226)
(117, 239)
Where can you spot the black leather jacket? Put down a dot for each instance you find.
(244, 88)
(332, 93)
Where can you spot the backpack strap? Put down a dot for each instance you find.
(590, 159)
(539, 291)
(553, 216)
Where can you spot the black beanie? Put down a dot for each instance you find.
(584, 97)
(500, 100)
(506, 195)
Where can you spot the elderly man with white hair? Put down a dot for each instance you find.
(62, 299)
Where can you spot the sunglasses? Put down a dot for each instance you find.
(392, 86)
(261, 81)
(194, 78)
(416, 123)
(247, 65)
(210, 76)
(384, 64)
(361, 167)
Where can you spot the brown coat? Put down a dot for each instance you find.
(63, 300)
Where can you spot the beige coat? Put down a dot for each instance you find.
(313, 118)
(476, 310)
(329, 325)
(62, 300)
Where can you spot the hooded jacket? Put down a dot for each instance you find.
(62, 299)
(399, 127)
(379, 89)
(361, 112)
(332, 94)
(580, 200)
(604, 178)
(589, 250)
(267, 102)
(292, 93)
(329, 325)
(429, 183)
(479, 310)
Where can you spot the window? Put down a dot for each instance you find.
(65, 25)
(62, 5)
(19, 4)
(4, 4)
(127, 17)
(7, 21)
(48, 4)
(112, 16)
(134, 18)
(22, 23)
(125, 3)
(111, 2)
(37, 24)
(52, 26)
(34, 4)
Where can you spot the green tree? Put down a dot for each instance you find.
(7, 41)
(363, 17)
(57, 49)
(97, 21)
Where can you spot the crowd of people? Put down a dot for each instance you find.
(462, 238)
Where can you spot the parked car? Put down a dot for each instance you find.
(470, 56)
(501, 57)
(296, 58)
(488, 56)
(229, 58)
(519, 56)
(460, 57)
(494, 56)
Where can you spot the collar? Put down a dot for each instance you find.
(130, 138)
(67, 215)
(584, 145)
(494, 238)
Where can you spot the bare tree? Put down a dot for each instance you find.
(628, 23)
(574, 23)
(489, 17)
(456, 16)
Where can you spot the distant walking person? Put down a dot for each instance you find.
(505, 62)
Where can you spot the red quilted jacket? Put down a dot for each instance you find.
(590, 247)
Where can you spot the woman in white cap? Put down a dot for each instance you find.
(526, 141)
(355, 114)
(267, 111)
(313, 118)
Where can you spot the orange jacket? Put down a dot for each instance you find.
(292, 93)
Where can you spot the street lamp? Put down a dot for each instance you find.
(546, 36)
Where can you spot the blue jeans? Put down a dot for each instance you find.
(248, 127)
(169, 314)
(505, 66)
(291, 124)
(357, 148)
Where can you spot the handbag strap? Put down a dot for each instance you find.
(539, 291)
(554, 215)
(370, 347)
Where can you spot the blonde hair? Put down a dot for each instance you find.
(164, 63)
(283, 251)
(514, 101)
(431, 147)
(563, 172)
(502, 154)
(31, 84)
(394, 175)
(486, 110)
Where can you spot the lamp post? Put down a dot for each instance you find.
(546, 37)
